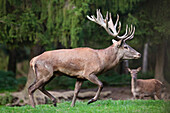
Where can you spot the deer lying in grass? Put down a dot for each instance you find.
(144, 88)
(82, 63)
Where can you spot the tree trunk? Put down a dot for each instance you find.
(126, 65)
(36, 50)
(123, 67)
(160, 62)
(160, 65)
(145, 59)
(12, 61)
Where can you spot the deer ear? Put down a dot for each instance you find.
(113, 41)
(139, 68)
(129, 69)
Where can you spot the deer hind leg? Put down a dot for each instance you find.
(42, 76)
(42, 89)
(32, 89)
(92, 78)
(140, 97)
(76, 91)
(136, 96)
(153, 97)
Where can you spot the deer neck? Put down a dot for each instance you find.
(109, 57)
(133, 83)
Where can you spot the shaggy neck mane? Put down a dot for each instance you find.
(109, 57)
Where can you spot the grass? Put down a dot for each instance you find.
(101, 106)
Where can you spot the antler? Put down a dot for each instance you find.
(110, 27)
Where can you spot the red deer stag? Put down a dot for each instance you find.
(82, 63)
(144, 88)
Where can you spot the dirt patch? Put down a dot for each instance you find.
(114, 93)
(117, 93)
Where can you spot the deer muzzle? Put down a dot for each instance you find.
(137, 56)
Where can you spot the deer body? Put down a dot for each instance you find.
(78, 62)
(145, 88)
(81, 63)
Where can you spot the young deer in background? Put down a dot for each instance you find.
(144, 88)
(82, 63)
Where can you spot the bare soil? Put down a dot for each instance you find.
(114, 93)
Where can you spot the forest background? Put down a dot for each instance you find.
(30, 27)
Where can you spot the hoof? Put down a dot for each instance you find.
(91, 101)
(33, 106)
(72, 105)
(55, 105)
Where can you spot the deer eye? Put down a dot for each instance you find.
(126, 47)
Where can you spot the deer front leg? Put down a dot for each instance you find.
(76, 91)
(158, 95)
(95, 80)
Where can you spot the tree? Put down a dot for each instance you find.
(160, 9)
(158, 21)
(145, 58)
(47, 23)
(72, 30)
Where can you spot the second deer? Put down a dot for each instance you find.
(144, 88)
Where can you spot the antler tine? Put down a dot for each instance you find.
(125, 35)
(98, 15)
(129, 35)
(116, 21)
(106, 20)
(107, 15)
(113, 27)
(130, 29)
(108, 25)
(132, 35)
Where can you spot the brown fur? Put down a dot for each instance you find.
(145, 88)
(80, 63)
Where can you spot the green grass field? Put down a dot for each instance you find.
(101, 106)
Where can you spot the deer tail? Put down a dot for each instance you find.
(33, 66)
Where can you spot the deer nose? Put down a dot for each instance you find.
(139, 55)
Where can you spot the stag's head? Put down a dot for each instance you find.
(123, 49)
(134, 72)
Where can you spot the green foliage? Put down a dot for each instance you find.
(52, 21)
(7, 99)
(101, 106)
(3, 58)
(152, 21)
(61, 82)
(9, 82)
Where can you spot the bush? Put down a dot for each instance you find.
(8, 82)
(6, 99)
(61, 82)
